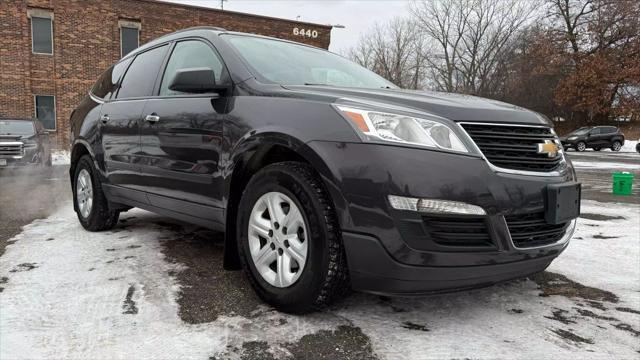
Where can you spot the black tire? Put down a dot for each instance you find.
(100, 217)
(581, 145)
(596, 149)
(616, 146)
(325, 276)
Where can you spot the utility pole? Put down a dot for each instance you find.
(222, 4)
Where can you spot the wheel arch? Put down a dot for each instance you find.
(253, 154)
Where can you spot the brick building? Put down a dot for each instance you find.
(52, 51)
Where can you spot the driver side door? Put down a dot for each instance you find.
(181, 138)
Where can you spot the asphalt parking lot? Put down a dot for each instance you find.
(154, 288)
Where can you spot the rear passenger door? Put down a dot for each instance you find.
(181, 138)
(595, 137)
(608, 134)
(120, 119)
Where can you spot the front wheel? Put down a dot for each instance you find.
(289, 240)
(581, 146)
(90, 202)
(616, 146)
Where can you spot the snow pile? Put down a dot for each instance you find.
(60, 157)
(629, 146)
(74, 294)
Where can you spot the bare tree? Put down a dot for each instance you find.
(603, 75)
(394, 51)
(467, 38)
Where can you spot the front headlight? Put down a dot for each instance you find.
(424, 131)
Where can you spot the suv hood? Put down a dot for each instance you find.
(6, 137)
(456, 107)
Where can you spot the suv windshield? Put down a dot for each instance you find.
(292, 64)
(13, 127)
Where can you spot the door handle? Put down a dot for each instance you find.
(153, 118)
(104, 118)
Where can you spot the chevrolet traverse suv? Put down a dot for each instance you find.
(324, 176)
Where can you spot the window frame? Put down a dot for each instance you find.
(137, 29)
(33, 51)
(112, 94)
(55, 113)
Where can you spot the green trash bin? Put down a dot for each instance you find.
(622, 182)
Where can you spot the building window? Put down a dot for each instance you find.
(46, 110)
(129, 36)
(41, 31)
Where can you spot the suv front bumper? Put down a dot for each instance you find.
(395, 252)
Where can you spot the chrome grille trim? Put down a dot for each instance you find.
(11, 149)
(561, 167)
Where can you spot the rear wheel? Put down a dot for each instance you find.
(581, 146)
(90, 202)
(616, 146)
(289, 241)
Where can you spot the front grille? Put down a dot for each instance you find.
(11, 149)
(531, 230)
(457, 231)
(514, 147)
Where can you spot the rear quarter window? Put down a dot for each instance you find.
(108, 82)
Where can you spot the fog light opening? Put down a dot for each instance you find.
(433, 206)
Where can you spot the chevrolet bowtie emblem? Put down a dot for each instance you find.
(549, 147)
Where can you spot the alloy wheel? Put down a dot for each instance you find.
(616, 146)
(278, 239)
(84, 193)
(581, 146)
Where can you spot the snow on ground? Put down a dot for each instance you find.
(629, 146)
(68, 296)
(73, 294)
(605, 165)
(60, 157)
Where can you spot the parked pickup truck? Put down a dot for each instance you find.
(23, 142)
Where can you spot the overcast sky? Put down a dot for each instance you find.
(356, 15)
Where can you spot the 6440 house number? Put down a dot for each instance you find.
(305, 32)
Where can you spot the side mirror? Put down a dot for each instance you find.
(194, 80)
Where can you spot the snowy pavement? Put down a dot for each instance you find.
(154, 288)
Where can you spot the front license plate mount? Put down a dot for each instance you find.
(562, 202)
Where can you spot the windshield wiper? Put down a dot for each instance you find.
(313, 84)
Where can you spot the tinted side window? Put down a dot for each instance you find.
(191, 54)
(595, 131)
(610, 130)
(142, 74)
(107, 84)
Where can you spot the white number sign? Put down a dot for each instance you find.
(305, 32)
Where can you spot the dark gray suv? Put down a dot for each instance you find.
(594, 137)
(324, 176)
